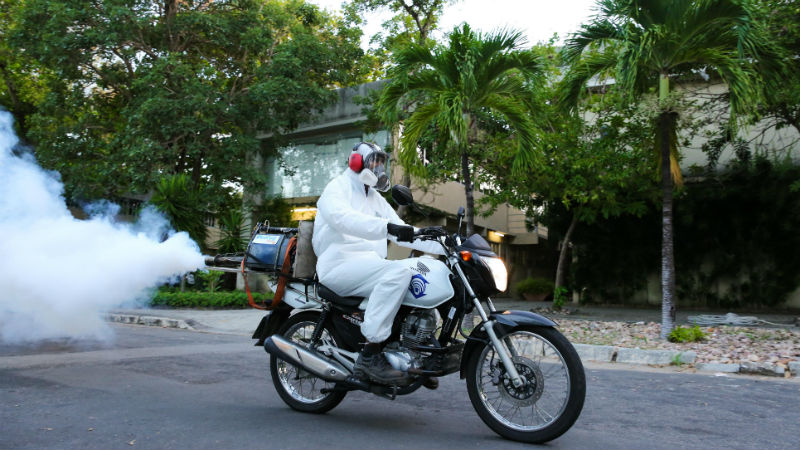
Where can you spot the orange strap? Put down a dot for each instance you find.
(282, 280)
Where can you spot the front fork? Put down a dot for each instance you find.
(499, 346)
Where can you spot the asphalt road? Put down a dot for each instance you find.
(169, 388)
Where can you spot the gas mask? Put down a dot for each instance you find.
(369, 161)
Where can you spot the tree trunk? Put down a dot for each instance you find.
(665, 130)
(562, 256)
(170, 11)
(666, 124)
(472, 137)
(197, 168)
(470, 209)
(422, 27)
(402, 210)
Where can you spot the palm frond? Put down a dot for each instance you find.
(598, 32)
(517, 116)
(414, 127)
(526, 63)
(498, 42)
(580, 73)
(410, 57)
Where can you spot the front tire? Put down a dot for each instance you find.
(550, 401)
(296, 387)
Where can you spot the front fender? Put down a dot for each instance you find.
(505, 321)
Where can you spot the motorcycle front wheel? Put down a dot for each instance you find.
(298, 388)
(548, 402)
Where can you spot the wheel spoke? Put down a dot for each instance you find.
(298, 383)
(542, 399)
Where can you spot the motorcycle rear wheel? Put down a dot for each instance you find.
(296, 387)
(550, 401)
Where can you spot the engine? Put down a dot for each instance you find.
(418, 328)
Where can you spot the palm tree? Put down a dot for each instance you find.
(646, 44)
(450, 86)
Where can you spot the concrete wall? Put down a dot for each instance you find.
(343, 113)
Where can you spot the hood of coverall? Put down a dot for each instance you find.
(374, 161)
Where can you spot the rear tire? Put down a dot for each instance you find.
(296, 387)
(547, 405)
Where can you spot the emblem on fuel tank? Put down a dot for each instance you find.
(418, 285)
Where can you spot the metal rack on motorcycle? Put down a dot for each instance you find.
(283, 253)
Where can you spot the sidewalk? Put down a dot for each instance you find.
(244, 322)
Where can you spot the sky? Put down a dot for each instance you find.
(538, 19)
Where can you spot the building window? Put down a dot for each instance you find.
(306, 166)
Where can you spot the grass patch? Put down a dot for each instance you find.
(685, 334)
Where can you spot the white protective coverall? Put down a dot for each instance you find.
(350, 243)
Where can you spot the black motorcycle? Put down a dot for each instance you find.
(524, 379)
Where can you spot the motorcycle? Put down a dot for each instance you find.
(524, 379)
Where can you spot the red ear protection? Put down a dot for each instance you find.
(356, 162)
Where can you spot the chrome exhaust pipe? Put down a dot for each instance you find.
(309, 360)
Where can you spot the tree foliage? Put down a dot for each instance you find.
(143, 88)
(23, 81)
(412, 22)
(783, 99)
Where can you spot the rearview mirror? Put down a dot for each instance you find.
(402, 195)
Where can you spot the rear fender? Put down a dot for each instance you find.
(271, 322)
(505, 321)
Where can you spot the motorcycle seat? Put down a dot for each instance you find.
(331, 296)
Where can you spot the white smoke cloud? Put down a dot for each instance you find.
(58, 274)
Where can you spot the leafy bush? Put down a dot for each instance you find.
(196, 299)
(233, 232)
(534, 286)
(685, 334)
(183, 203)
(559, 297)
(275, 210)
(208, 279)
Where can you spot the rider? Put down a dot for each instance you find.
(352, 225)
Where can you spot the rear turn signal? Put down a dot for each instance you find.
(465, 255)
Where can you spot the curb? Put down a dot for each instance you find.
(608, 353)
(152, 321)
(624, 355)
(587, 352)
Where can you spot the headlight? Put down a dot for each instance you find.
(499, 272)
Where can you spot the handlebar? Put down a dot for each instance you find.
(432, 232)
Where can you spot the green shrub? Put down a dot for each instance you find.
(685, 334)
(233, 232)
(534, 286)
(183, 204)
(559, 297)
(208, 279)
(197, 299)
